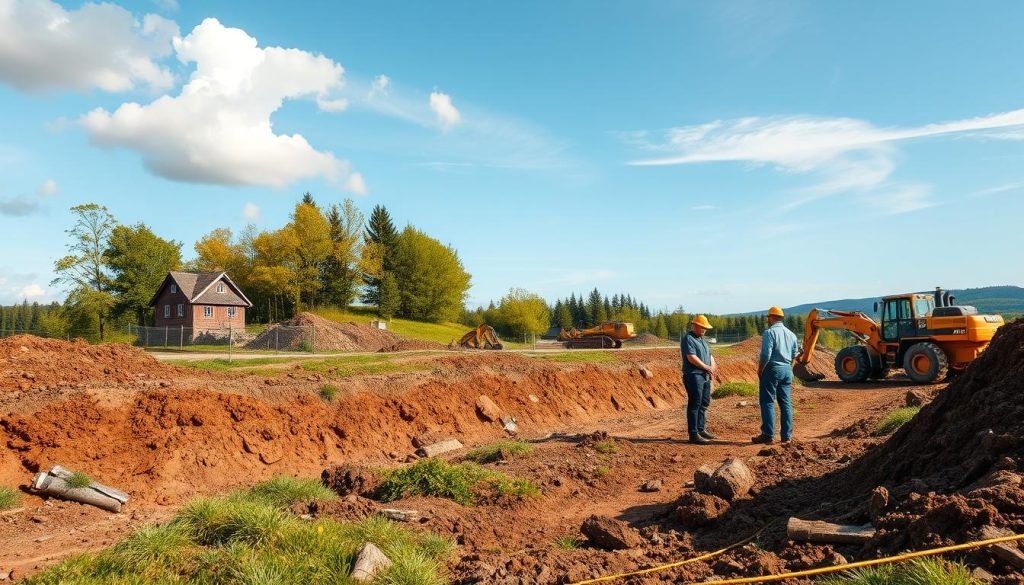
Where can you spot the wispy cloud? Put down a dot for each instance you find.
(251, 212)
(704, 207)
(843, 154)
(998, 189)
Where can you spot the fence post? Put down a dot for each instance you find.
(147, 337)
(230, 331)
(166, 330)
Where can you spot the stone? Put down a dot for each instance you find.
(697, 510)
(702, 479)
(369, 561)
(645, 373)
(915, 398)
(610, 534)
(400, 515)
(878, 503)
(677, 458)
(487, 409)
(652, 485)
(439, 448)
(509, 424)
(733, 479)
(534, 398)
(1004, 551)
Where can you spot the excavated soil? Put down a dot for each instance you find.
(307, 329)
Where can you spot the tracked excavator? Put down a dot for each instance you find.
(925, 334)
(483, 337)
(604, 336)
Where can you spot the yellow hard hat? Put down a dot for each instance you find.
(702, 321)
(776, 312)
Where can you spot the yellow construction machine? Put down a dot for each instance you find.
(925, 334)
(483, 337)
(604, 336)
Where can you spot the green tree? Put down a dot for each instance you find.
(390, 300)
(340, 273)
(84, 270)
(381, 240)
(139, 261)
(431, 279)
(313, 234)
(661, 329)
(563, 316)
(523, 313)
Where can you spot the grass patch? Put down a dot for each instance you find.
(247, 538)
(745, 389)
(501, 450)
(464, 483)
(605, 447)
(443, 333)
(78, 480)
(9, 498)
(578, 357)
(916, 572)
(602, 470)
(328, 392)
(283, 491)
(568, 542)
(896, 419)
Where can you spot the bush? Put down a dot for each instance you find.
(499, 451)
(9, 498)
(605, 447)
(78, 480)
(463, 483)
(896, 419)
(917, 572)
(328, 392)
(283, 491)
(745, 389)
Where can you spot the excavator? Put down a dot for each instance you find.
(604, 336)
(925, 334)
(483, 337)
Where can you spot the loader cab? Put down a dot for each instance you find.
(905, 316)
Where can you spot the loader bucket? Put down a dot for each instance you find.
(800, 370)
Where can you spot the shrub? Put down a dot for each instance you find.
(605, 447)
(9, 498)
(462, 483)
(568, 542)
(499, 450)
(78, 480)
(328, 392)
(283, 491)
(745, 389)
(896, 419)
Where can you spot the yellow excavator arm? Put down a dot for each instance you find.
(860, 325)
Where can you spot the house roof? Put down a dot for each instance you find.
(196, 287)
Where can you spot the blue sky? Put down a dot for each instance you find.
(719, 156)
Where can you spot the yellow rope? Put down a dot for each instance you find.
(809, 572)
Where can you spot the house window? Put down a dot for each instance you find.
(167, 311)
(207, 311)
(181, 310)
(232, 311)
(174, 288)
(220, 287)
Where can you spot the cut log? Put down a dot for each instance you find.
(400, 515)
(819, 531)
(439, 448)
(1006, 551)
(369, 561)
(56, 486)
(117, 494)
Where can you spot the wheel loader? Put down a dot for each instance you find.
(925, 334)
(604, 336)
(483, 337)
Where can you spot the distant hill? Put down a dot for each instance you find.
(988, 299)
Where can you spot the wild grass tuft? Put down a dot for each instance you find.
(9, 498)
(328, 392)
(916, 572)
(605, 447)
(568, 542)
(896, 419)
(283, 491)
(745, 389)
(463, 482)
(411, 566)
(78, 480)
(501, 450)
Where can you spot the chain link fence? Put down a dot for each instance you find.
(277, 338)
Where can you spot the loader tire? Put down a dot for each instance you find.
(853, 364)
(926, 363)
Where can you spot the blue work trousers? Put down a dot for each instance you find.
(777, 385)
(698, 399)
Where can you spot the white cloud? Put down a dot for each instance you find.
(899, 199)
(167, 5)
(19, 206)
(99, 46)
(844, 154)
(356, 184)
(380, 87)
(703, 207)
(18, 286)
(32, 291)
(447, 114)
(47, 188)
(218, 129)
(251, 212)
(998, 189)
(332, 105)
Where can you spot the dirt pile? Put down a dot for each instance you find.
(648, 339)
(28, 362)
(307, 332)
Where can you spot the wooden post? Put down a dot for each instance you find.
(819, 531)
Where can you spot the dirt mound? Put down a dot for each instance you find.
(28, 362)
(648, 339)
(307, 331)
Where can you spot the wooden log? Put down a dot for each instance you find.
(56, 486)
(106, 490)
(400, 515)
(1007, 551)
(819, 531)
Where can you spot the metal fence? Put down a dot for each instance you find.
(276, 338)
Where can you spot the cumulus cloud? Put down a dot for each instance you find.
(18, 286)
(32, 291)
(380, 87)
(356, 184)
(99, 46)
(47, 188)
(251, 212)
(218, 129)
(845, 154)
(19, 206)
(447, 114)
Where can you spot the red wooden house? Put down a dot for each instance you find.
(202, 301)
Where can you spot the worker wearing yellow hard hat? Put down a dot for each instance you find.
(698, 369)
(779, 347)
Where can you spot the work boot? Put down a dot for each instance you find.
(707, 435)
(787, 441)
(696, 439)
(762, 440)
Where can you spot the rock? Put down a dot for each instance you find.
(645, 373)
(697, 510)
(702, 479)
(982, 575)
(400, 515)
(878, 503)
(742, 404)
(486, 408)
(678, 458)
(1005, 551)
(610, 534)
(369, 561)
(347, 479)
(916, 398)
(509, 424)
(733, 479)
(533, 398)
(439, 448)
(651, 485)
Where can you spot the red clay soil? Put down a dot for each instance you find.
(333, 336)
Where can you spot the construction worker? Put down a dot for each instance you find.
(698, 369)
(779, 347)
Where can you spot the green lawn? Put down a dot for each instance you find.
(578, 356)
(339, 366)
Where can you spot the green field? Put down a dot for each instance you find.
(443, 333)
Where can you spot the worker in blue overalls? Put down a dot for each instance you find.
(779, 347)
(698, 369)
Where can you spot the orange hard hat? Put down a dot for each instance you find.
(702, 321)
(776, 312)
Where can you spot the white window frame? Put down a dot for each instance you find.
(207, 312)
(167, 311)
(232, 311)
(220, 287)
(181, 310)
(174, 289)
